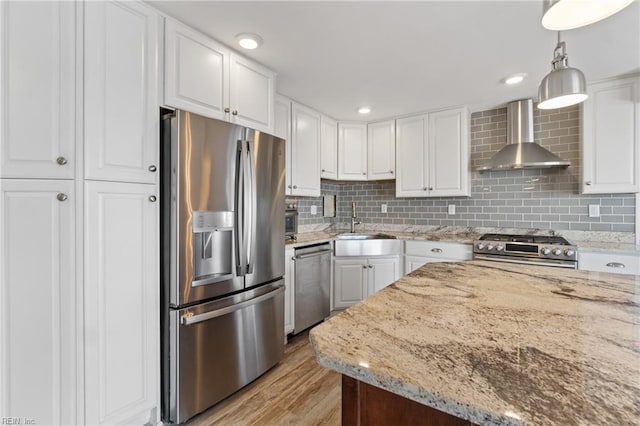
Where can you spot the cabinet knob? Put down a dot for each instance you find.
(391, 171)
(152, 198)
(364, 173)
(588, 183)
(370, 266)
(289, 186)
(323, 170)
(295, 186)
(364, 266)
(425, 188)
(431, 188)
(62, 197)
(152, 168)
(235, 112)
(227, 110)
(61, 161)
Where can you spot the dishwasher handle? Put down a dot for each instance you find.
(315, 253)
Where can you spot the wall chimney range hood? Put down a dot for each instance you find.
(521, 152)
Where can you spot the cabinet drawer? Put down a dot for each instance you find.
(439, 250)
(609, 262)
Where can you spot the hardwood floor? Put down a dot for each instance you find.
(295, 392)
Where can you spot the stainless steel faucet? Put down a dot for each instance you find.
(354, 222)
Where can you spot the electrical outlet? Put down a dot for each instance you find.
(383, 208)
(594, 210)
(451, 209)
(314, 210)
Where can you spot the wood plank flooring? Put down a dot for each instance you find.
(295, 392)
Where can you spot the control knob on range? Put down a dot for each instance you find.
(569, 252)
(545, 250)
(499, 248)
(480, 246)
(557, 252)
(489, 247)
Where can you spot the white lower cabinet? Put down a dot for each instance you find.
(418, 253)
(121, 303)
(619, 263)
(38, 307)
(289, 291)
(358, 277)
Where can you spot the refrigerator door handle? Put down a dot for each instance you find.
(194, 319)
(252, 217)
(239, 211)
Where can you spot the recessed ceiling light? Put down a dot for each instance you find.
(249, 40)
(364, 110)
(514, 79)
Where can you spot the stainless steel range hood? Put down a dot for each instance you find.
(521, 152)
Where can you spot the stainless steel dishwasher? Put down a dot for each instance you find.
(312, 282)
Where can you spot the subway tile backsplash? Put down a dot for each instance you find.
(535, 198)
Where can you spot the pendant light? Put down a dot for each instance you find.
(563, 86)
(568, 14)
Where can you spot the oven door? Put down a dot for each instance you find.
(527, 261)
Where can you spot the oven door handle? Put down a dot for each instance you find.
(194, 319)
(568, 265)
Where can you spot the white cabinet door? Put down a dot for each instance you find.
(251, 94)
(305, 151)
(382, 272)
(411, 157)
(120, 92)
(289, 291)
(448, 153)
(282, 129)
(329, 148)
(196, 72)
(37, 89)
(610, 123)
(350, 281)
(121, 303)
(381, 143)
(352, 151)
(38, 305)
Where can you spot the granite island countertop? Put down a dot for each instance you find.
(496, 343)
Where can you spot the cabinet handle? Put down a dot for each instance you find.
(62, 197)
(152, 168)
(235, 112)
(227, 110)
(436, 250)
(588, 183)
(615, 265)
(152, 198)
(61, 161)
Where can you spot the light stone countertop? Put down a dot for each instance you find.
(497, 343)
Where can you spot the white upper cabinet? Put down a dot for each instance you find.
(38, 301)
(412, 156)
(120, 92)
(305, 151)
(610, 126)
(251, 94)
(449, 153)
(37, 89)
(196, 71)
(352, 151)
(329, 148)
(203, 76)
(282, 129)
(121, 303)
(381, 144)
(432, 154)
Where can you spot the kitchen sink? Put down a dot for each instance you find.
(351, 244)
(353, 236)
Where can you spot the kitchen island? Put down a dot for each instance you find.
(493, 343)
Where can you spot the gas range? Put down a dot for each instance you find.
(526, 249)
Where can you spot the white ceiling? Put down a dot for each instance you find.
(406, 57)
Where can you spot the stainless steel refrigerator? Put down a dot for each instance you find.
(222, 259)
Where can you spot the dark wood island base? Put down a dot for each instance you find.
(364, 404)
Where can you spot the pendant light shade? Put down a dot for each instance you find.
(560, 15)
(563, 86)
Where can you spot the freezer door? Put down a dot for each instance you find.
(201, 186)
(264, 208)
(218, 347)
